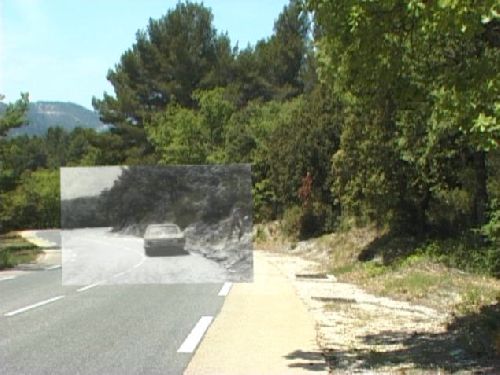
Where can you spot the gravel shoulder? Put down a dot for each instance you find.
(359, 332)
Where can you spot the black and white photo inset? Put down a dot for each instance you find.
(156, 224)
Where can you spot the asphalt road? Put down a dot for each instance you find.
(96, 255)
(48, 328)
(51, 235)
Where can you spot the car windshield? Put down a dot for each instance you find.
(162, 230)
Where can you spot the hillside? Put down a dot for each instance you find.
(43, 115)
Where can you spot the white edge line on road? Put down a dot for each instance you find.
(195, 336)
(53, 267)
(225, 289)
(18, 311)
(7, 278)
(140, 263)
(83, 289)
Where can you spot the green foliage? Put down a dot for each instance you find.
(291, 222)
(282, 56)
(248, 141)
(178, 136)
(14, 250)
(303, 141)
(6, 259)
(393, 115)
(176, 55)
(34, 203)
(277, 68)
(419, 86)
(466, 253)
(492, 229)
(307, 221)
(264, 201)
(14, 115)
(192, 136)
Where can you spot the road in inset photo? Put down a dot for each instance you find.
(96, 255)
(148, 225)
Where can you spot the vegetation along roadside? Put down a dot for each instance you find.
(372, 129)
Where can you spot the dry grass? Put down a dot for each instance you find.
(415, 278)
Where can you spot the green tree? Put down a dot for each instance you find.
(14, 115)
(34, 203)
(192, 136)
(176, 55)
(56, 145)
(304, 143)
(289, 47)
(278, 67)
(419, 85)
(247, 141)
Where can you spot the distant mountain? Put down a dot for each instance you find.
(43, 115)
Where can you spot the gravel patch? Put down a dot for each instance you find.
(363, 333)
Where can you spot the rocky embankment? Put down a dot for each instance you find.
(222, 242)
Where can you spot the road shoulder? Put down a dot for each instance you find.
(50, 254)
(263, 328)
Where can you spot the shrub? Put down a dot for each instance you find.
(492, 228)
(308, 221)
(449, 210)
(291, 223)
(465, 253)
(6, 259)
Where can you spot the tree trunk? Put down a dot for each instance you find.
(481, 193)
(422, 214)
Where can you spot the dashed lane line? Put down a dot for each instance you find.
(195, 336)
(7, 278)
(35, 305)
(225, 289)
(87, 287)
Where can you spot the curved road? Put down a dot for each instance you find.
(49, 328)
(96, 255)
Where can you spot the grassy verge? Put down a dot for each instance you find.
(15, 250)
(402, 268)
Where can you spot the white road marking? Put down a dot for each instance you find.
(140, 263)
(225, 289)
(130, 269)
(7, 278)
(83, 289)
(53, 267)
(23, 309)
(195, 336)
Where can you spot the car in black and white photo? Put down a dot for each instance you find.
(164, 240)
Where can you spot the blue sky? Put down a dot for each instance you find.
(61, 50)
